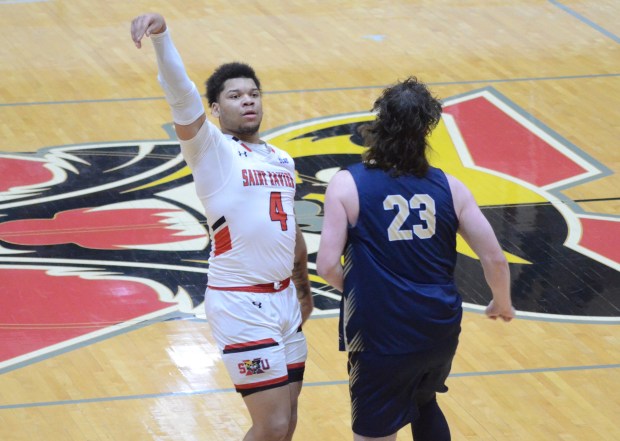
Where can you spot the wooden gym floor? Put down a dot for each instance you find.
(102, 245)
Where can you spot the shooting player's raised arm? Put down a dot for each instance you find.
(184, 99)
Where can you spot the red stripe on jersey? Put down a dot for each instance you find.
(249, 344)
(296, 365)
(283, 379)
(222, 241)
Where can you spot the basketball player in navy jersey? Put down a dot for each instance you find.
(395, 218)
(247, 189)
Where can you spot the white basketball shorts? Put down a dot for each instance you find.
(259, 336)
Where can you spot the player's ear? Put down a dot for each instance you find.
(215, 110)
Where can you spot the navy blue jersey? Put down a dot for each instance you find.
(399, 292)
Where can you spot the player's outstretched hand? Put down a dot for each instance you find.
(146, 24)
(506, 313)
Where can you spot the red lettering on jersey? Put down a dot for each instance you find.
(252, 178)
(263, 177)
(288, 181)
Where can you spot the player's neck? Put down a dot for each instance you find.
(252, 138)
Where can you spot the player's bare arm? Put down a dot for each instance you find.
(341, 209)
(300, 276)
(181, 94)
(479, 235)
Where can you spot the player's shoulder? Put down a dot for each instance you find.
(278, 150)
(284, 157)
(452, 180)
(461, 195)
(341, 185)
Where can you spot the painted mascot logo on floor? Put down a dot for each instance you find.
(99, 239)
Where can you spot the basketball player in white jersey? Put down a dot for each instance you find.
(247, 188)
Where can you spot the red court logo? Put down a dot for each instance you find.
(99, 239)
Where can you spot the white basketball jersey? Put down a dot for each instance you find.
(248, 195)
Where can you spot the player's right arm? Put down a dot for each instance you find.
(479, 235)
(181, 94)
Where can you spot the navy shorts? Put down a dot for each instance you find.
(387, 390)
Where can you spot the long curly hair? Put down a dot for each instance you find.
(407, 113)
(215, 83)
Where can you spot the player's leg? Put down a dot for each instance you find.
(294, 391)
(271, 414)
(381, 388)
(296, 349)
(431, 424)
(274, 414)
(254, 355)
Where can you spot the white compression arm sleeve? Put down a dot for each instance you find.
(180, 91)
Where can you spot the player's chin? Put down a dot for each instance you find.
(249, 128)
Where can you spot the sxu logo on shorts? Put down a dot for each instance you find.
(254, 367)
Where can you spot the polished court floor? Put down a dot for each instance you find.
(103, 251)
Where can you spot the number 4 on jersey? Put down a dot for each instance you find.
(276, 210)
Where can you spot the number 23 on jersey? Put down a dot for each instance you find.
(425, 206)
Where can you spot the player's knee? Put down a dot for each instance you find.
(275, 429)
(282, 426)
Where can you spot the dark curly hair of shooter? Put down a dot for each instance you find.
(215, 83)
(407, 112)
